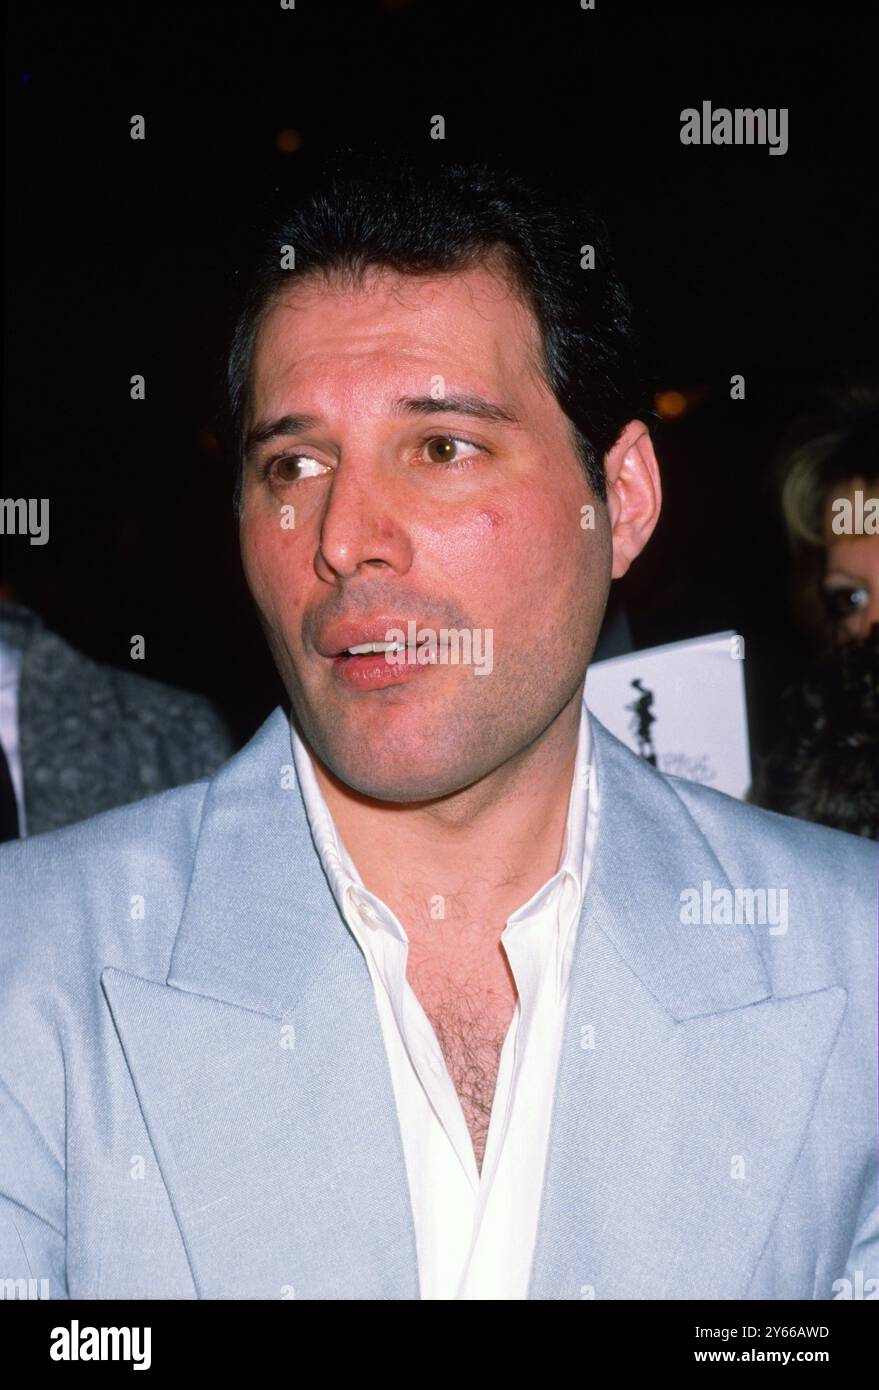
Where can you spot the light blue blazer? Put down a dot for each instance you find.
(195, 1100)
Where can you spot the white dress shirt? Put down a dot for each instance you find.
(474, 1233)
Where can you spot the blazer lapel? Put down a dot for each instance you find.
(667, 1164)
(260, 1066)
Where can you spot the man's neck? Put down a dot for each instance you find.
(469, 860)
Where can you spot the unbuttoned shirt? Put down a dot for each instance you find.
(475, 1233)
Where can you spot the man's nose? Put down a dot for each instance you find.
(363, 523)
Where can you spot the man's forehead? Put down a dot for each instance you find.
(433, 315)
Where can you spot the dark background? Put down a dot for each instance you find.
(118, 260)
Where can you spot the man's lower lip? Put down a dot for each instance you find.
(372, 671)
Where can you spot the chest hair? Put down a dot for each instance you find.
(470, 1025)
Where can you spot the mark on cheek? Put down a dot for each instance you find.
(491, 518)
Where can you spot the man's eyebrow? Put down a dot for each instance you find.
(273, 429)
(474, 406)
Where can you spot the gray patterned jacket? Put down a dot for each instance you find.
(93, 737)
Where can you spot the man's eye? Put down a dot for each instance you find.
(442, 447)
(299, 465)
(442, 450)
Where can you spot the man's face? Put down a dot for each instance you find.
(426, 514)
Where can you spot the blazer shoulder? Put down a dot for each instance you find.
(722, 814)
(740, 832)
(111, 887)
(827, 880)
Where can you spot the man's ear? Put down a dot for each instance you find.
(634, 494)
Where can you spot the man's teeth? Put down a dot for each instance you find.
(363, 648)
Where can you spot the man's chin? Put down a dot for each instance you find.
(382, 774)
(404, 748)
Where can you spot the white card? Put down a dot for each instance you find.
(681, 706)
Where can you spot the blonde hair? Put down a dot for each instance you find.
(824, 451)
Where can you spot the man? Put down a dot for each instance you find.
(437, 990)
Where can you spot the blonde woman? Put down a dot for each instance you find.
(829, 483)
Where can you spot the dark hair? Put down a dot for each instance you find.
(825, 767)
(398, 212)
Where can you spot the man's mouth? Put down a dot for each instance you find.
(377, 665)
(368, 648)
(366, 636)
(397, 649)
